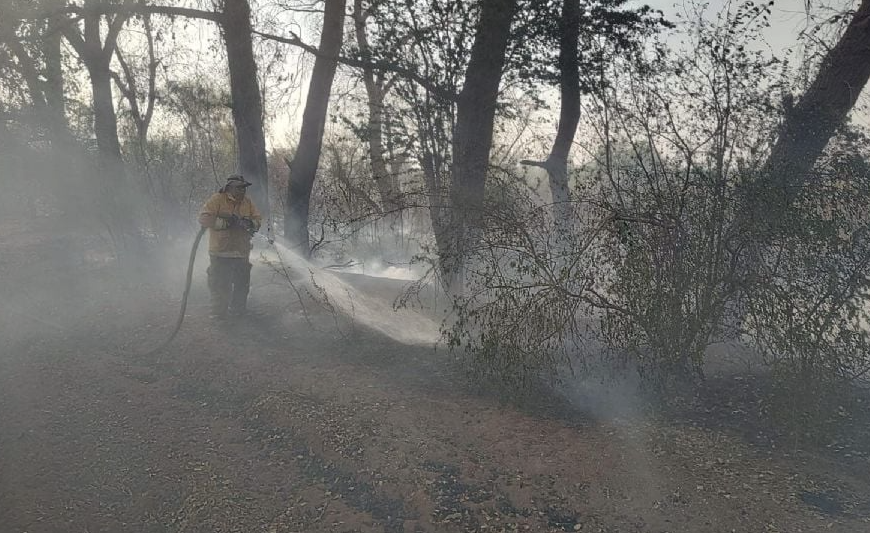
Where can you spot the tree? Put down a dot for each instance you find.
(247, 102)
(376, 87)
(767, 208)
(303, 168)
(472, 138)
(430, 43)
(425, 46)
(589, 37)
(556, 164)
(234, 20)
(129, 87)
(810, 124)
(38, 61)
(96, 54)
(54, 82)
(119, 213)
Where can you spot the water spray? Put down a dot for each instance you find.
(402, 325)
(408, 328)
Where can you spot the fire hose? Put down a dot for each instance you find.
(233, 221)
(187, 284)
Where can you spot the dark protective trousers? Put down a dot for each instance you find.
(229, 279)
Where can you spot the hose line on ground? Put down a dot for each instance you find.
(184, 296)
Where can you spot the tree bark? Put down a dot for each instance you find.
(54, 86)
(96, 54)
(247, 102)
(303, 169)
(556, 164)
(111, 187)
(105, 119)
(821, 110)
(386, 183)
(472, 138)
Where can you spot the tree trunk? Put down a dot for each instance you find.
(111, 181)
(806, 131)
(386, 183)
(569, 116)
(97, 56)
(54, 99)
(472, 138)
(246, 100)
(105, 120)
(303, 169)
(556, 164)
(118, 208)
(821, 110)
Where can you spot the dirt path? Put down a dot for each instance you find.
(279, 425)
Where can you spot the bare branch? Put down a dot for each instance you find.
(540, 164)
(152, 73)
(115, 27)
(129, 89)
(71, 34)
(106, 9)
(428, 84)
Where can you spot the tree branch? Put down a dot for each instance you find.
(141, 9)
(129, 90)
(115, 27)
(152, 73)
(408, 73)
(540, 164)
(214, 16)
(72, 35)
(126, 92)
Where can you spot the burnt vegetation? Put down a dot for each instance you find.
(593, 189)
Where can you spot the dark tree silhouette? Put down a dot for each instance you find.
(303, 168)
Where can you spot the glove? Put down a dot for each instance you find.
(226, 222)
(249, 225)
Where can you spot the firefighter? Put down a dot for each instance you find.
(232, 219)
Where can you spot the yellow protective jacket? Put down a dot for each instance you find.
(231, 242)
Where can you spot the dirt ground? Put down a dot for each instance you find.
(285, 423)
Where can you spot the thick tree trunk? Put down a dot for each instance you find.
(119, 207)
(386, 183)
(97, 55)
(105, 120)
(569, 115)
(246, 100)
(303, 169)
(472, 138)
(805, 133)
(556, 164)
(111, 182)
(813, 121)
